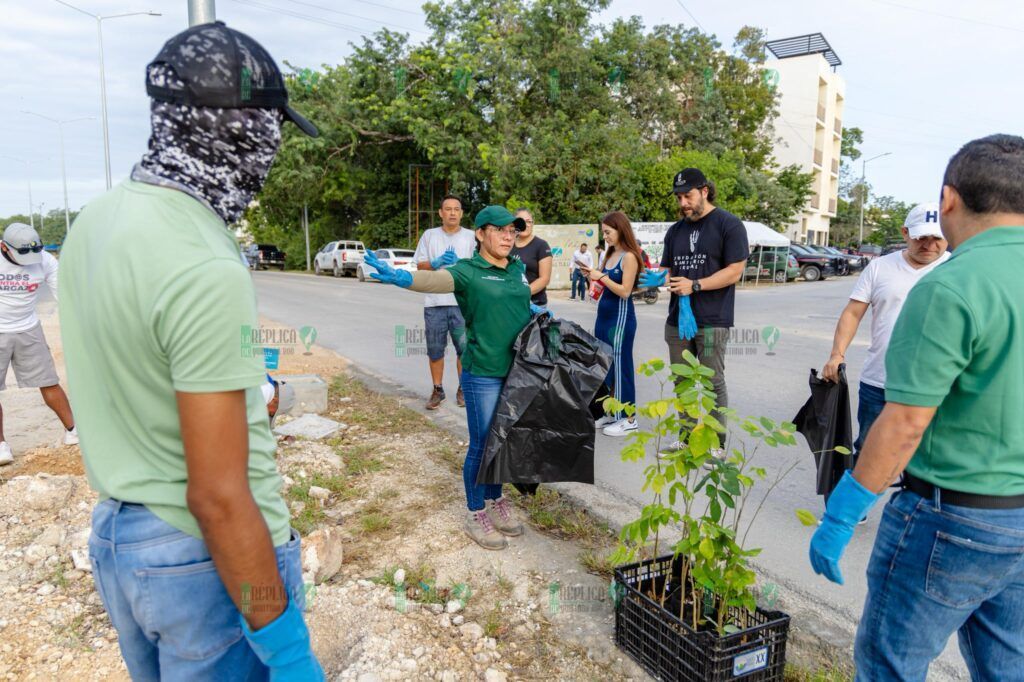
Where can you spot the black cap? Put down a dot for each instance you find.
(687, 179)
(223, 68)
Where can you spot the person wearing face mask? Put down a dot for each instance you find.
(494, 297)
(24, 266)
(191, 546)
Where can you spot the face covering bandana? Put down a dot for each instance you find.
(220, 156)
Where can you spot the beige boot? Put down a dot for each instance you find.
(480, 527)
(501, 514)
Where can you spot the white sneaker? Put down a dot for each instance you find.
(604, 421)
(671, 449)
(71, 437)
(620, 428)
(6, 456)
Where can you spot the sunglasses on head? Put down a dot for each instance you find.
(25, 250)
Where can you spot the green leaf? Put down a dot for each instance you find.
(842, 451)
(727, 500)
(806, 518)
(767, 423)
(715, 511)
(702, 439)
(707, 548)
(682, 370)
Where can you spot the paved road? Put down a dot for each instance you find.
(360, 320)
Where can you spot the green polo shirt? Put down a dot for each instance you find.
(495, 302)
(959, 346)
(154, 300)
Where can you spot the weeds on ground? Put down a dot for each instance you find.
(373, 411)
(359, 459)
(597, 562)
(494, 623)
(374, 522)
(311, 515)
(57, 577)
(75, 632)
(552, 514)
(798, 673)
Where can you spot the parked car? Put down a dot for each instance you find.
(854, 263)
(399, 259)
(776, 265)
(839, 263)
(263, 256)
(813, 265)
(869, 251)
(892, 247)
(339, 258)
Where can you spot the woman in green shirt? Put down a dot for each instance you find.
(494, 297)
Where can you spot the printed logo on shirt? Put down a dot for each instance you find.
(691, 261)
(694, 236)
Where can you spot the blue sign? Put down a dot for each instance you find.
(271, 356)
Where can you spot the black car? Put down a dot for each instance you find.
(813, 265)
(263, 256)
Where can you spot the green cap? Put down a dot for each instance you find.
(499, 216)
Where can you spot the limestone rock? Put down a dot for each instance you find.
(322, 554)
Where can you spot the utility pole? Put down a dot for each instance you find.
(41, 217)
(103, 79)
(864, 191)
(305, 227)
(63, 168)
(201, 12)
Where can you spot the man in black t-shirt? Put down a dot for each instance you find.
(536, 256)
(704, 254)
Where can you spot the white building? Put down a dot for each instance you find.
(809, 125)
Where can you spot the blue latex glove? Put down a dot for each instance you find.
(653, 278)
(539, 310)
(446, 258)
(847, 505)
(687, 322)
(385, 273)
(283, 646)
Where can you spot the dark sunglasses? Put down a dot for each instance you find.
(25, 250)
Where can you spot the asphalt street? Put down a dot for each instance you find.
(379, 328)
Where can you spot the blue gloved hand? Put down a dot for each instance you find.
(847, 505)
(385, 273)
(653, 278)
(446, 258)
(687, 322)
(283, 646)
(540, 310)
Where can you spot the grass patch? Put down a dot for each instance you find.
(311, 515)
(552, 514)
(359, 459)
(798, 673)
(57, 577)
(421, 585)
(371, 410)
(374, 522)
(74, 633)
(597, 562)
(494, 624)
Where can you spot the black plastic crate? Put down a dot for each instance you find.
(671, 650)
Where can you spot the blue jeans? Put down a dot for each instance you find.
(939, 569)
(481, 394)
(173, 616)
(869, 406)
(579, 283)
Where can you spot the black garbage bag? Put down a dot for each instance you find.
(825, 422)
(542, 431)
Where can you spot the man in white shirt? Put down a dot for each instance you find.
(23, 267)
(884, 286)
(576, 276)
(439, 248)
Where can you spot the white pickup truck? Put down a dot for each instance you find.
(339, 258)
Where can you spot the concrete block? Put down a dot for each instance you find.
(310, 392)
(309, 426)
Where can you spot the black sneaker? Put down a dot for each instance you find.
(459, 399)
(436, 398)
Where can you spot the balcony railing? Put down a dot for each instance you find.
(832, 206)
(821, 113)
(835, 166)
(818, 155)
(816, 201)
(838, 127)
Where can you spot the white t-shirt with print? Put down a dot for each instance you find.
(433, 243)
(585, 258)
(19, 289)
(884, 286)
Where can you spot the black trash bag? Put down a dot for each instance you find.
(597, 405)
(825, 422)
(542, 431)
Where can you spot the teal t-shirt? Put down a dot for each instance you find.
(154, 298)
(495, 302)
(958, 345)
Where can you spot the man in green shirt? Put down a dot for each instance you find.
(949, 556)
(191, 547)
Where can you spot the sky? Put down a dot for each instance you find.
(922, 77)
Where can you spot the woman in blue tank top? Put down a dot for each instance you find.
(616, 318)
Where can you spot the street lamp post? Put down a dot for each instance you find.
(103, 79)
(63, 169)
(41, 218)
(28, 177)
(864, 189)
(201, 12)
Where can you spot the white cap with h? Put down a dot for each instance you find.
(923, 221)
